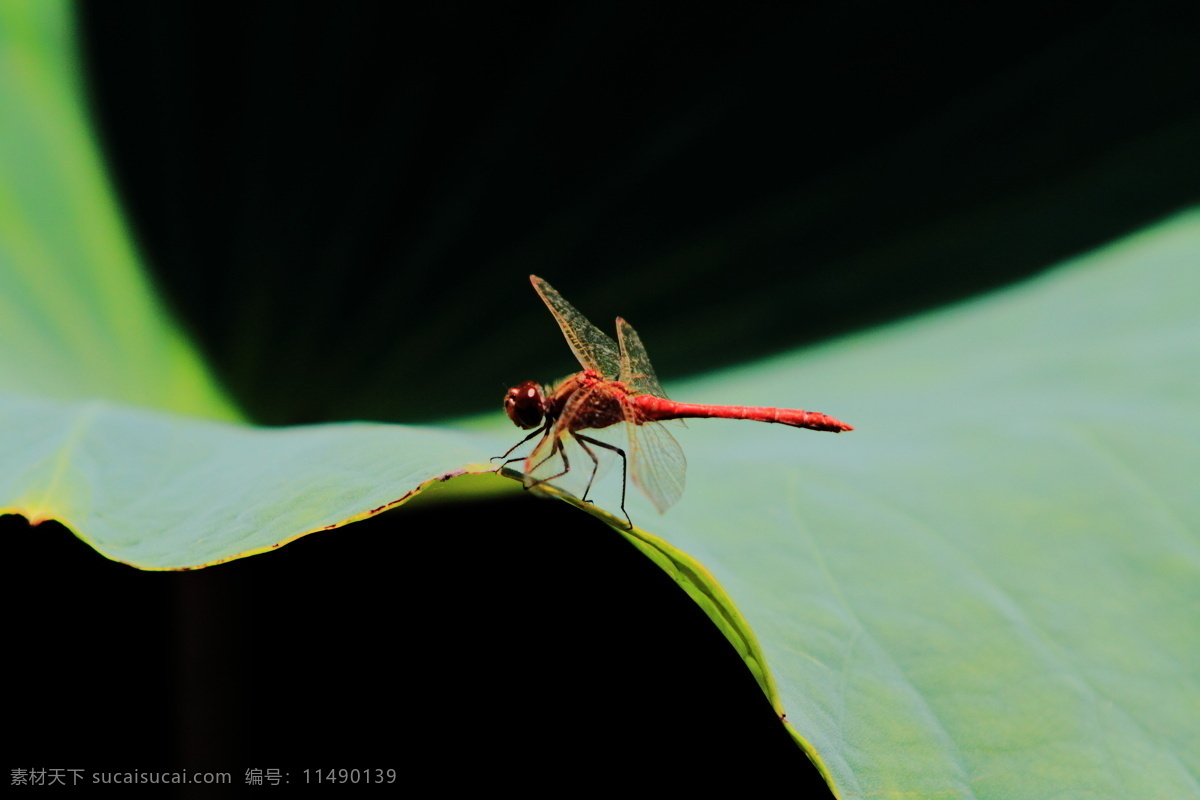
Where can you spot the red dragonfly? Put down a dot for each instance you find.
(617, 385)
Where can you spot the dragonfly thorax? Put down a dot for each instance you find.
(525, 405)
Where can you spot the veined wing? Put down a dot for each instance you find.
(656, 461)
(636, 372)
(594, 348)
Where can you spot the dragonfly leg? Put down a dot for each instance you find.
(584, 441)
(540, 431)
(555, 450)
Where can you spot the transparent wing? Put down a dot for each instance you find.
(594, 348)
(656, 462)
(545, 460)
(636, 372)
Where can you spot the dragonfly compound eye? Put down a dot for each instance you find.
(523, 404)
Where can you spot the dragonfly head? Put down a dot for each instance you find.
(524, 405)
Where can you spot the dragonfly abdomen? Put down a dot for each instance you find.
(660, 408)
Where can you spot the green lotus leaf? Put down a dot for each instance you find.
(990, 588)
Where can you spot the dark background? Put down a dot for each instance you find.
(343, 203)
(373, 647)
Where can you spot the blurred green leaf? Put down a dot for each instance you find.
(77, 315)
